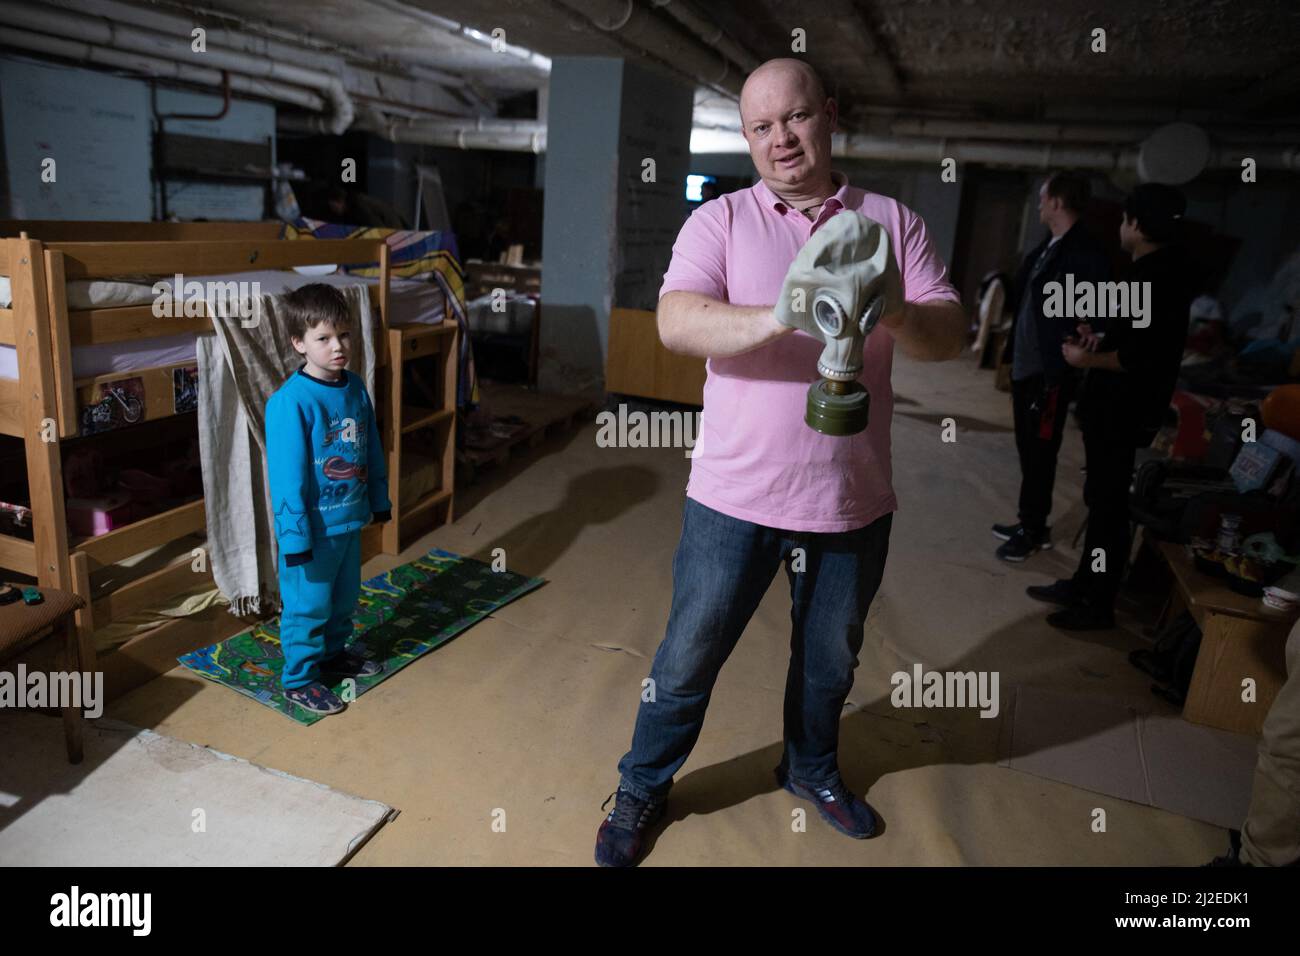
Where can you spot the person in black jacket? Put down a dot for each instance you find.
(1132, 371)
(1042, 383)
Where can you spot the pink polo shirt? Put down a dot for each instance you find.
(755, 458)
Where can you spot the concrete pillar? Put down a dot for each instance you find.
(610, 216)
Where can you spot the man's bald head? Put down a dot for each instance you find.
(781, 73)
(787, 121)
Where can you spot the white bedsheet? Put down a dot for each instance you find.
(409, 300)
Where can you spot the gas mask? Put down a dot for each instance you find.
(839, 285)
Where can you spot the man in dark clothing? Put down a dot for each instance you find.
(1132, 371)
(1042, 384)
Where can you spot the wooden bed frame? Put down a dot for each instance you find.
(41, 407)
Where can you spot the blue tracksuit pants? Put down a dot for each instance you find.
(318, 600)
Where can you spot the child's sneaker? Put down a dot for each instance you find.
(347, 664)
(315, 697)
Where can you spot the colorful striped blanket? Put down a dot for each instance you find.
(430, 256)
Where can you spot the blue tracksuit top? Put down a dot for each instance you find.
(325, 461)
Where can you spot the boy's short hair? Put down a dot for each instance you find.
(308, 306)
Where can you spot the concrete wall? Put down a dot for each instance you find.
(1265, 216)
(604, 229)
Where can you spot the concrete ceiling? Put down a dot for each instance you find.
(991, 59)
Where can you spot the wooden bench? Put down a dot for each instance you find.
(1239, 639)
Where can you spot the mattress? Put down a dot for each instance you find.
(410, 301)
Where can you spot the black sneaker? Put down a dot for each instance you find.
(347, 664)
(316, 697)
(618, 841)
(1022, 545)
(1233, 856)
(1062, 592)
(1006, 532)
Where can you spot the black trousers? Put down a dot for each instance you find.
(1040, 422)
(1110, 454)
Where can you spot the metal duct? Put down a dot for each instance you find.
(642, 29)
(101, 33)
(153, 66)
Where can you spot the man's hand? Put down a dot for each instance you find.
(1075, 354)
(850, 260)
(1087, 337)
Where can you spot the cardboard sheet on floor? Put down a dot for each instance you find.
(1110, 746)
(133, 802)
(535, 712)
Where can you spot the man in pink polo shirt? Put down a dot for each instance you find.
(762, 482)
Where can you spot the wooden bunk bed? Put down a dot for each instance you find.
(42, 406)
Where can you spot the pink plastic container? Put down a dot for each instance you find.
(96, 516)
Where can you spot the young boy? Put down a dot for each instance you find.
(328, 477)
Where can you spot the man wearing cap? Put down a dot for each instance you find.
(1131, 374)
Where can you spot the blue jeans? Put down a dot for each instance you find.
(722, 568)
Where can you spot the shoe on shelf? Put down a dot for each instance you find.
(837, 805)
(622, 833)
(1062, 592)
(1006, 532)
(316, 697)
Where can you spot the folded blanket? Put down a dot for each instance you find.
(239, 368)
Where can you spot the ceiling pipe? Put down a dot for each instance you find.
(533, 59)
(153, 66)
(1063, 132)
(709, 32)
(1020, 155)
(521, 136)
(102, 33)
(680, 52)
(88, 53)
(248, 38)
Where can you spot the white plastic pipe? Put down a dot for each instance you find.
(153, 66)
(512, 135)
(59, 23)
(1066, 132)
